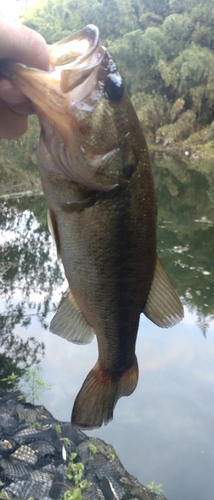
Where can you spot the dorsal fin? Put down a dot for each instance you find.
(69, 322)
(163, 305)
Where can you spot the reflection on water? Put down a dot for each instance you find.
(164, 431)
(185, 233)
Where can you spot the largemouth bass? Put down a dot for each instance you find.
(98, 184)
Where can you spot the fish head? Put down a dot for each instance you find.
(84, 112)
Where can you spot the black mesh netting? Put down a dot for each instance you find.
(36, 452)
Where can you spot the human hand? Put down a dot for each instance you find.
(23, 45)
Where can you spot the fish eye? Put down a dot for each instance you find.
(114, 87)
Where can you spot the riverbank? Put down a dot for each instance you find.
(18, 164)
(42, 459)
(17, 179)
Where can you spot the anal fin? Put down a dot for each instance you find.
(163, 305)
(70, 323)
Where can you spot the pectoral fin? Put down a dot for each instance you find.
(163, 305)
(80, 205)
(109, 169)
(69, 322)
(52, 226)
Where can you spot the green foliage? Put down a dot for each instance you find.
(36, 425)
(4, 495)
(100, 449)
(150, 19)
(193, 67)
(33, 384)
(152, 111)
(10, 372)
(180, 6)
(93, 449)
(178, 130)
(178, 27)
(111, 456)
(24, 267)
(31, 381)
(164, 51)
(55, 19)
(17, 355)
(202, 36)
(74, 472)
(155, 488)
(154, 6)
(72, 495)
(11, 380)
(58, 429)
(66, 442)
(177, 108)
(203, 18)
(18, 165)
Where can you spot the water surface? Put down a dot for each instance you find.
(164, 431)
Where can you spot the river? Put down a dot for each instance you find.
(164, 431)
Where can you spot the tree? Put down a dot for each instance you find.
(163, 50)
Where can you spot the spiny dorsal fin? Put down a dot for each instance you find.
(163, 305)
(69, 322)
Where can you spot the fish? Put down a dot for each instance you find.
(98, 184)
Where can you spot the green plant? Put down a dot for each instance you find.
(96, 449)
(33, 382)
(66, 442)
(74, 470)
(4, 495)
(111, 456)
(36, 426)
(154, 487)
(72, 495)
(93, 449)
(11, 379)
(58, 429)
(74, 473)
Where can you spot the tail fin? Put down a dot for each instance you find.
(94, 405)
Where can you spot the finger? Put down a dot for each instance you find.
(22, 44)
(10, 94)
(13, 125)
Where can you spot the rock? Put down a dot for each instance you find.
(41, 458)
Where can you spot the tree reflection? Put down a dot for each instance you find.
(186, 231)
(8, 367)
(30, 272)
(28, 277)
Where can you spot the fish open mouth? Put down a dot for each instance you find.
(75, 61)
(66, 99)
(76, 57)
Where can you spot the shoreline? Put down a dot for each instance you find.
(37, 452)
